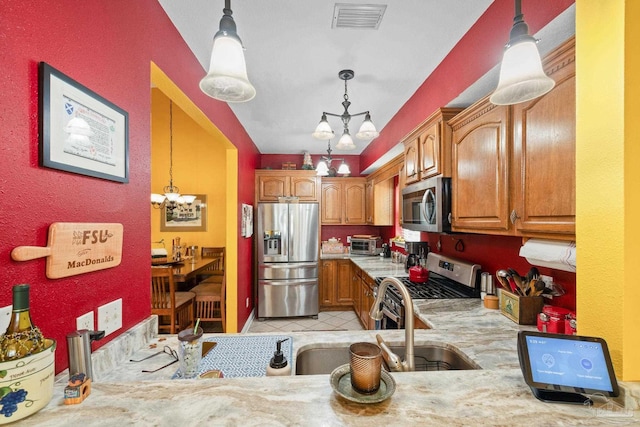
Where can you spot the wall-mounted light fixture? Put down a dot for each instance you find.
(367, 129)
(521, 75)
(227, 77)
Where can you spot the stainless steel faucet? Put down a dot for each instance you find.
(376, 313)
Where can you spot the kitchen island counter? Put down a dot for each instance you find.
(494, 395)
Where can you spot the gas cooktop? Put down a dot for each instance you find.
(448, 278)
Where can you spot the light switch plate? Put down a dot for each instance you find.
(110, 317)
(85, 321)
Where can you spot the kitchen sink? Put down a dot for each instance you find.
(430, 357)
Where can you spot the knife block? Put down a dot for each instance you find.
(522, 310)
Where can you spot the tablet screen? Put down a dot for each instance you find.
(566, 363)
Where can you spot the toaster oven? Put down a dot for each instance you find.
(368, 246)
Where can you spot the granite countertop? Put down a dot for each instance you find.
(493, 395)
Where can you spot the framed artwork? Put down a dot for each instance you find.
(80, 131)
(191, 217)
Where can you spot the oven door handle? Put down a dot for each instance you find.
(396, 318)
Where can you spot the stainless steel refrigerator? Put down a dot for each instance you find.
(287, 240)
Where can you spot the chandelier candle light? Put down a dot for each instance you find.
(171, 197)
(367, 129)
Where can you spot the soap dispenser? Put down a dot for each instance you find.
(278, 365)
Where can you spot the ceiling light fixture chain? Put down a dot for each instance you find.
(367, 129)
(171, 198)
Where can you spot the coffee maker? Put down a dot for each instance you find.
(415, 252)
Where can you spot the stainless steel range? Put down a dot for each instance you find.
(448, 278)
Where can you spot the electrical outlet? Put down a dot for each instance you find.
(85, 322)
(247, 302)
(5, 317)
(548, 280)
(110, 317)
(348, 239)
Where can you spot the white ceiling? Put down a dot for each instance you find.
(293, 58)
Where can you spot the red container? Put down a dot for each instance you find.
(418, 274)
(552, 319)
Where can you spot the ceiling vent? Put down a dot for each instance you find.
(361, 16)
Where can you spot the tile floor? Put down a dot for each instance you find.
(326, 321)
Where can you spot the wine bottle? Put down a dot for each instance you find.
(22, 338)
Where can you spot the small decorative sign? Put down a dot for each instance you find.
(76, 248)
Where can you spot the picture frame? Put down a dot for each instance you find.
(80, 131)
(185, 218)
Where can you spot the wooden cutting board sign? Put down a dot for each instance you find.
(76, 248)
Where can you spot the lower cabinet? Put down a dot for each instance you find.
(335, 284)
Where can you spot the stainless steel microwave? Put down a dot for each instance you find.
(426, 205)
(361, 246)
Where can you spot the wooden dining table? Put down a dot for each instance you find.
(186, 272)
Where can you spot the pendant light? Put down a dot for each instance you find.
(171, 197)
(324, 165)
(367, 129)
(227, 77)
(521, 75)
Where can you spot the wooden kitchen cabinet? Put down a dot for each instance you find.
(544, 154)
(335, 284)
(427, 149)
(514, 166)
(343, 201)
(273, 184)
(379, 202)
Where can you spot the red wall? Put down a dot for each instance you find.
(108, 47)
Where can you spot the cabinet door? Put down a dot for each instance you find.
(411, 161)
(331, 196)
(355, 288)
(272, 187)
(544, 152)
(354, 202)
(429, 150)
(369, 202)
(343, 283)
(327, 283)
(305, 188)
(480, 175)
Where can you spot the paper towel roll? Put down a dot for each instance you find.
(549, 253)
(158, 252)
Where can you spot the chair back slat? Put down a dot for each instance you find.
(163, 291)
(214, 252)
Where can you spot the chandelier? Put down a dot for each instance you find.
(171, 197)
(227, 77)
(521, 75)
(367, 129)
(324, 166)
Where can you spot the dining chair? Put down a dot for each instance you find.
(210, 301)
(178, 307)
(216, 270)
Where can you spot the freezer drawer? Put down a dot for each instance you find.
(287, 298)
(288, 271)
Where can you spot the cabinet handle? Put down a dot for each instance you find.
(413, 174)
(514, 216)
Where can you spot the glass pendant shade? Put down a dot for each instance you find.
(322, 169)
(323, 130)
(227, 78)
(521, 75)
(344, 169)
(345, 142)
(188, 199)
(367, 129)
(157, 199)
(172, 197)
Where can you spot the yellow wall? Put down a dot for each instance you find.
(204, 162)
(608, 178)
(199, 167)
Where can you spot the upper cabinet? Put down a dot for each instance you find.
(514, 166)
(343, 201)
(427, 149)
(273, 184)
